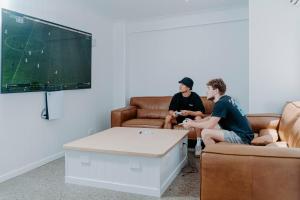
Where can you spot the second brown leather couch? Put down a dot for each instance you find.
(244, 172)
(149, 112)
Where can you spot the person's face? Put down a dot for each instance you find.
(183, 88)
(211, 93)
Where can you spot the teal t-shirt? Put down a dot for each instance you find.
(233, 118)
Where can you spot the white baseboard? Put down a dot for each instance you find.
(29, 167)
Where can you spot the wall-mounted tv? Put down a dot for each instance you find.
(37, 55)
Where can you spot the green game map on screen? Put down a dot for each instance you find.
(37, 55)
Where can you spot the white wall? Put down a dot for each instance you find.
(26, 140)
(119, 64)
(160, 52)
(274, 54)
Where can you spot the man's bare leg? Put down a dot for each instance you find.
(198, 146)
(168, 122)
(198, 130)
(211, 136)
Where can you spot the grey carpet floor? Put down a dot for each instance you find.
(47, 183)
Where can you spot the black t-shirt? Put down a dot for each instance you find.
(233, 118)
(192, 103)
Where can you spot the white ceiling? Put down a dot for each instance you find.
(137, 9)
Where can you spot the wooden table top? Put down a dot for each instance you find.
(130, 141)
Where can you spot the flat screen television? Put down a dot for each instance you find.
(37, 55)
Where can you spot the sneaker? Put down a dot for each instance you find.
(198, 149)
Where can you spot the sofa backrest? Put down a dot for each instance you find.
(289, 127)
(158, 106)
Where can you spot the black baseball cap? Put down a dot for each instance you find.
(187, 82)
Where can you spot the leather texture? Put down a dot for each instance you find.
(153, 103)
(250, 150)
(280, 144)
(151, 114)
(118, 116)
(245, 176)
(263, 121)
(266, 136)
(289, 128)
(144, 123)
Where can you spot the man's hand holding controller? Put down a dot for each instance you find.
(185, 121)
(177, 113)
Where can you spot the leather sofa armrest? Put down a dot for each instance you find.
(250, 150)
(118, 116)
(232, 172)
(264, 121)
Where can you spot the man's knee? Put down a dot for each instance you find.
(168, 118)
(208, 133)
(205, 133)
(212, 134)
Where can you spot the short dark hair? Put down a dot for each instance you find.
(219, 84)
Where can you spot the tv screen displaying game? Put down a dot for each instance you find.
(37, 55)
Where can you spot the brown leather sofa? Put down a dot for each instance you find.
(149, 112)
(244, 172)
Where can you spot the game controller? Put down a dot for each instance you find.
(177, 113)
(184, 121)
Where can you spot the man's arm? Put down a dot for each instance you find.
(192, 113)
(172, 112)
(203, 119)
(173, 105)
(210, 122)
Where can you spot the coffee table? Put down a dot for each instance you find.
(135, 160)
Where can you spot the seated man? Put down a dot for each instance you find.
(226, 113)
(186, 104)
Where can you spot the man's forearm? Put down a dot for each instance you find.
(202, 124)
(196, 113)
(204, 119)
(207, 122)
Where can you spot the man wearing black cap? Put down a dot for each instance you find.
(185, 104)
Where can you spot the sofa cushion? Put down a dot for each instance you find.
(262, 140)
(266, 136)
(250, 150)
(278, 144)
(144, 123)
(151, 114)
(263, 121)
(153, 103)
(289, 127)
